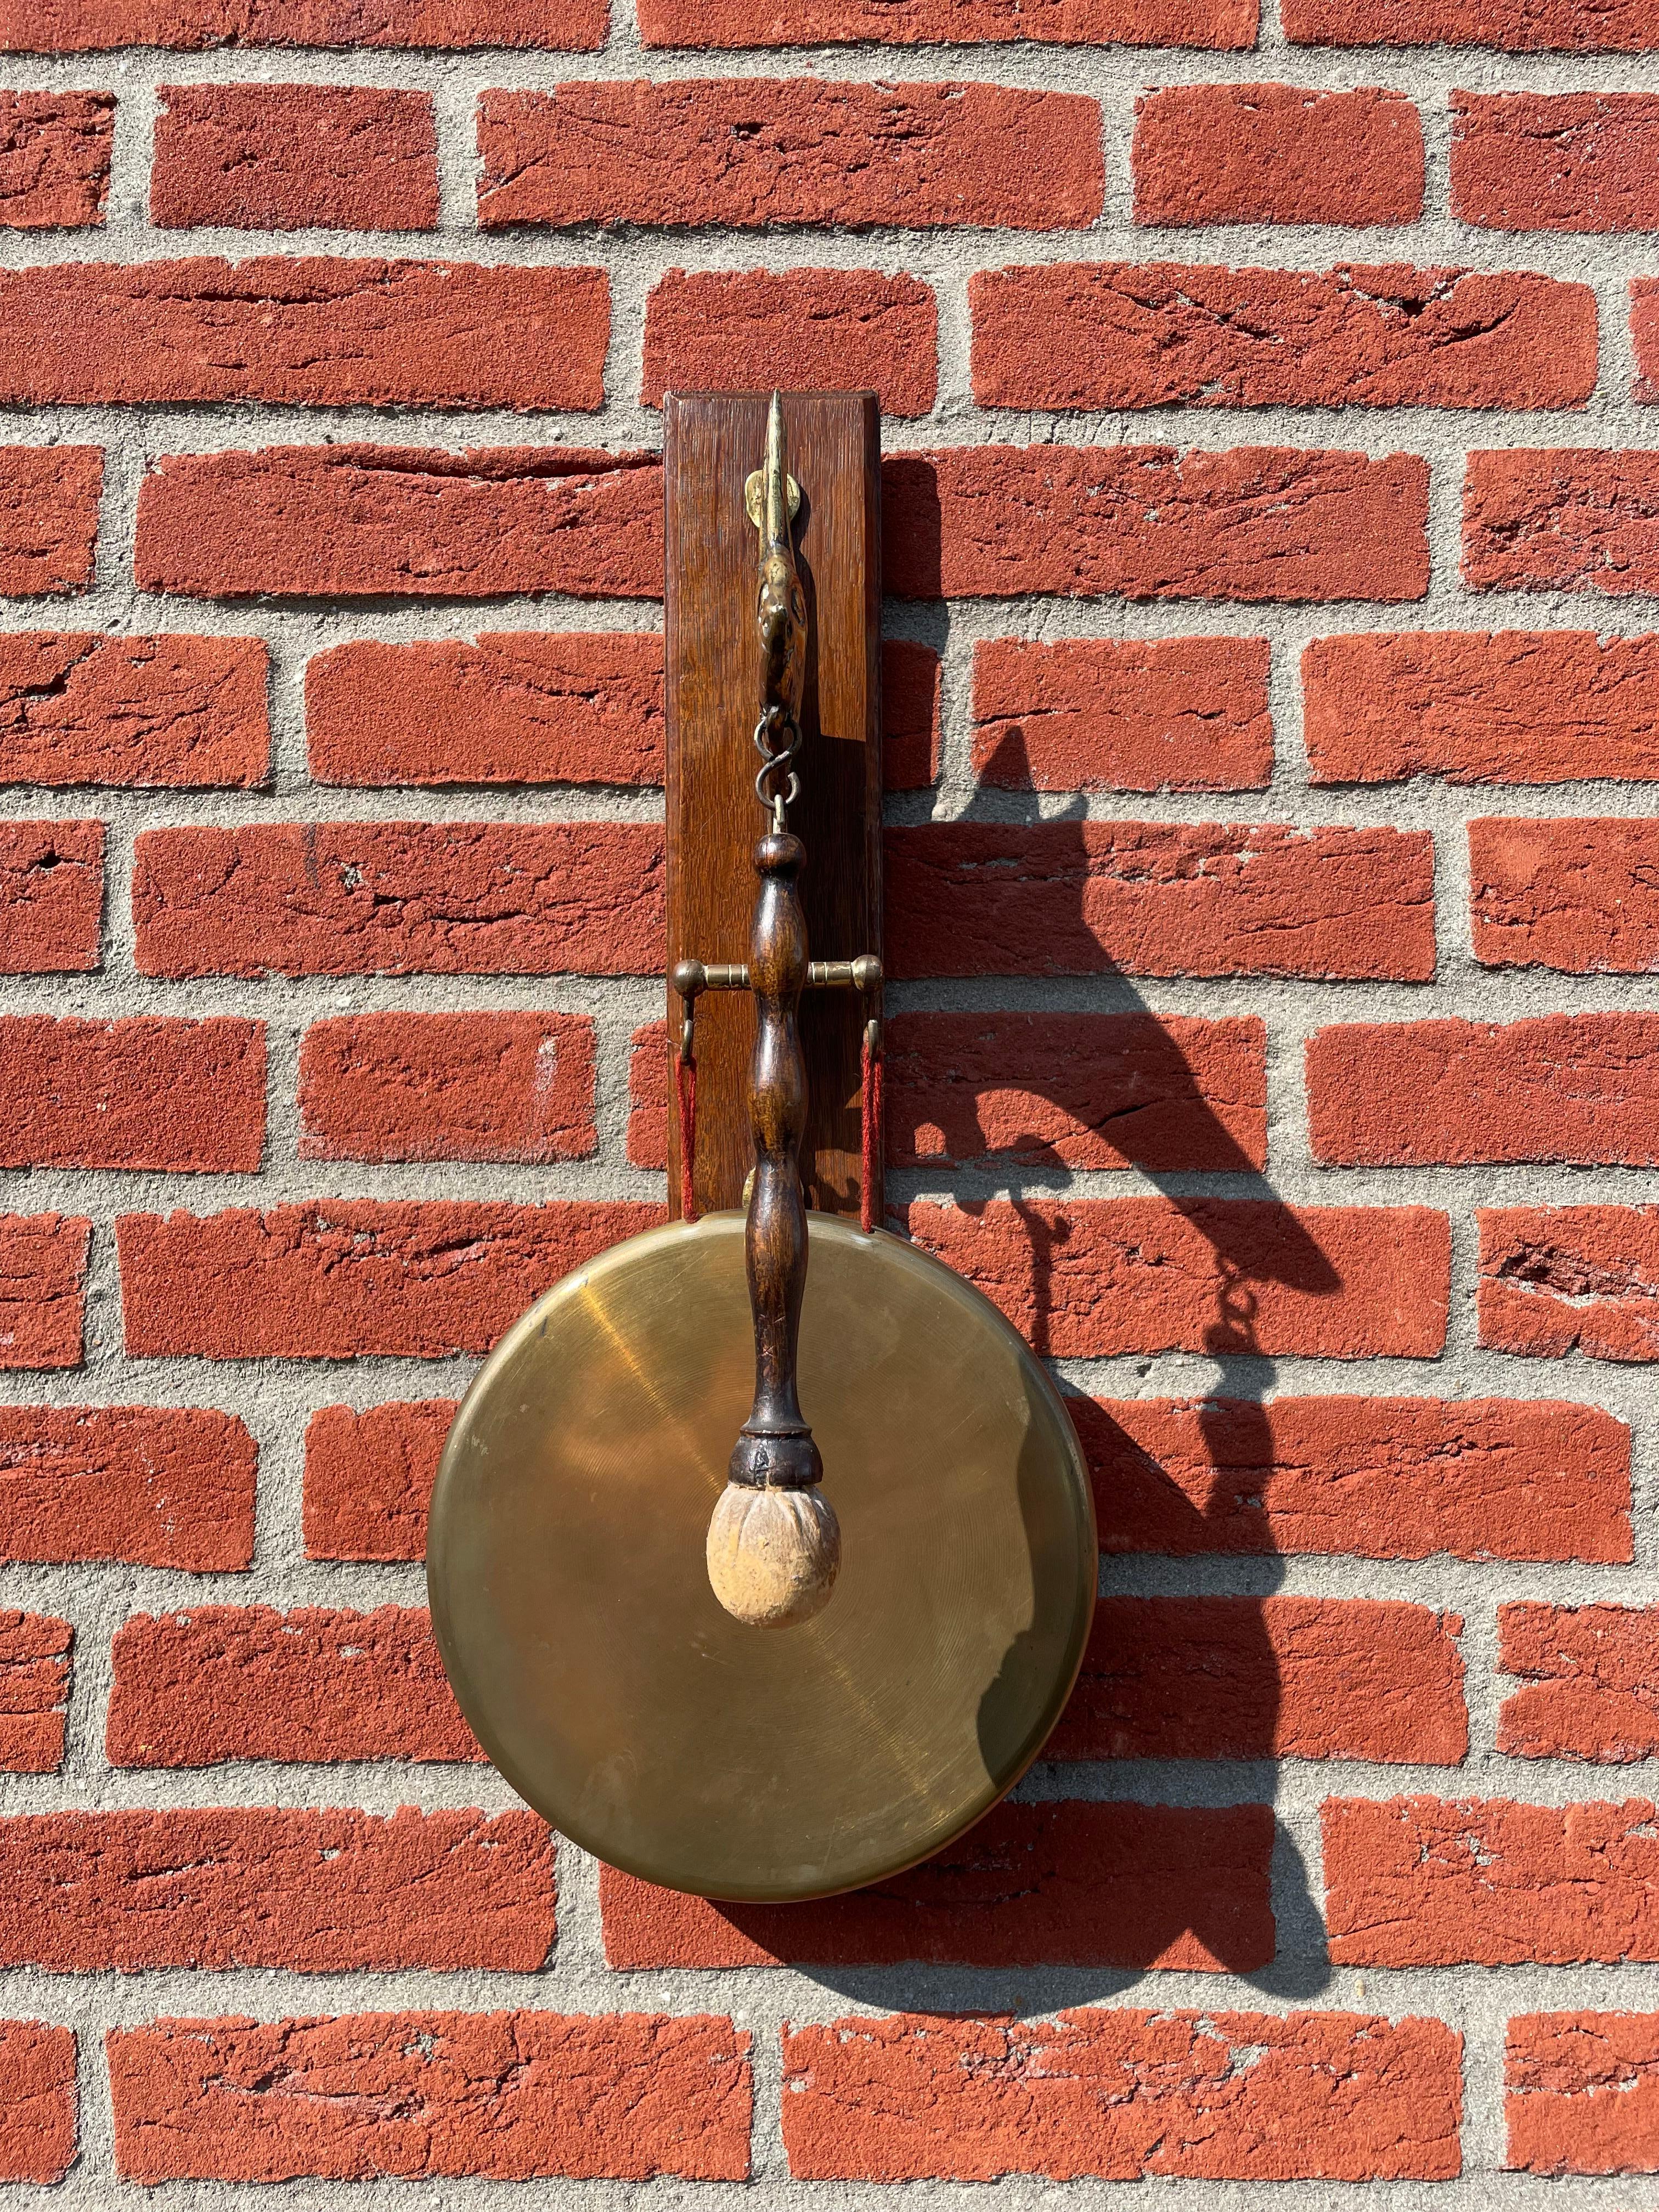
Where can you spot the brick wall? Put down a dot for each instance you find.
(1272, 691)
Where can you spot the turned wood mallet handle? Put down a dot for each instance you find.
(774, 1449)
(774, 1543)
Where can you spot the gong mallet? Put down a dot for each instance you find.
(773, 1545)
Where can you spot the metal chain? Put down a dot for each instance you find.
(776, 722)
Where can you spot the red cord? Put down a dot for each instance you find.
(872, 1135)
(685, 1107)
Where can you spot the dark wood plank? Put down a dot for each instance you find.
(712, 655)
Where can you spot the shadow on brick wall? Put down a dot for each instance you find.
(1232, 1419)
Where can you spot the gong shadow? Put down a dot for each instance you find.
(980, 1871)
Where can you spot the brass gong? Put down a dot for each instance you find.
(592, 1659)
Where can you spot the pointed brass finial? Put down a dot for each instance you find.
(763, 491)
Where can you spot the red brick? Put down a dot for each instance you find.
(647, 1096)
(408, 1086)
(1573, 161)
(305, 333)
(54, 158)
(395, 521)
(1145, 522)
(1276, 153)
(1582, 2093)
(1089, 714)
(1082, 1091)
(1559, 1278)
(511, 2096)
(43, 1267)
(369, 1478)
(910, 715)
(1117, 2094)
(1580, 895)
(545, 706)
(37, 2101)
(1584, 520)
(1520, 25)
(90, 26)
(306, 1891)
(188, 1096)
(1064, 1882)
(1425, 1882)
(1376, 1478)
(48, 516)
(750, 152)
(34, 1688)
(156, 1486)
(513, 706)
(294, 157)
(1268, 1678)
(1592, 1685)
(1095, 1277)
(1509, 707)
(76, 708)
(1212, 23)
(1121, 334)
(1644, 336)
(400, 898)
(1159, 898)
(237, 1682)
(1580, 1088)
(51, 896)
(798, 329)
(342, 1279)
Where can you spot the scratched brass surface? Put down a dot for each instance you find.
(565, 1562)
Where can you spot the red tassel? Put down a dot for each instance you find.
(685, 1108)
(873, 1087)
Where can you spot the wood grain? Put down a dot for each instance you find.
(713, 441)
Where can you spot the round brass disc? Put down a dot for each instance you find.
(572, 1605)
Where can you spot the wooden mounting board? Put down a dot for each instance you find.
(711, 655)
